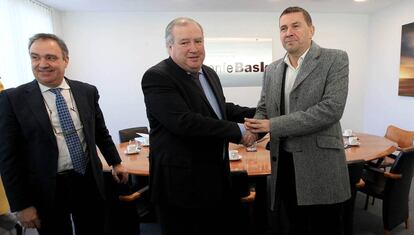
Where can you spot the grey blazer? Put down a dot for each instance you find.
(312, 127)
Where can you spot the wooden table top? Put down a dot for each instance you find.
(258, 163)
(371, 147)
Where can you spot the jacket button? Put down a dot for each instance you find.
(274, 159)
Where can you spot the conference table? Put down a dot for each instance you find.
(257, 163)
(371, 147)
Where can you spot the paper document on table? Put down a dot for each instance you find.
(143, 139)
(143, 135)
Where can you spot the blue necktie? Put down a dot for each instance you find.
(76, 153)
(196, 79)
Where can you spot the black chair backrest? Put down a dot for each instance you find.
(396, 193)
(120, 212)
(128, 134)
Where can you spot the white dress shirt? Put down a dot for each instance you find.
(64, 160)
(291, 74)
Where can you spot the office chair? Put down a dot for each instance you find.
(128, 134)
(403, 138)
(139, 184)
(122, 216)
(392, 187)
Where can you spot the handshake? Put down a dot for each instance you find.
(253, 128)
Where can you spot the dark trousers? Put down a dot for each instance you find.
(176, 220)
(304, 220)
(77, 200)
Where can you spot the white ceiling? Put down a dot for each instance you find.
(323, 6)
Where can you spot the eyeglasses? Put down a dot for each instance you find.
(59, 131)
(56, 128)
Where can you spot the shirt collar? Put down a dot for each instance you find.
(64, 85)
(301, 58)
(199, 71)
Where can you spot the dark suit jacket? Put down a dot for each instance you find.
(28, 149)
(189, 163)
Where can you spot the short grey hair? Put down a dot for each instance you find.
(49, 36)
(180, 21)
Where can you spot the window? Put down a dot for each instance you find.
(19, 20)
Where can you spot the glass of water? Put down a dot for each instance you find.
(252, 148)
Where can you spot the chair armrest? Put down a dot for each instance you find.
(134, 196)
(392, 175)
(373, 175)
(395, 154)
(360, 184)
(373, 169)
(131, 197)
(249, 198)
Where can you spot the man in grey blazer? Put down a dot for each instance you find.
(302, 100)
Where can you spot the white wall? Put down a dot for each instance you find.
(382, 105)
(112, 50)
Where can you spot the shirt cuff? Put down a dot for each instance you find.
(242, 128)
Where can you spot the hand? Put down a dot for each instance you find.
(28, 218)
(248, 138)
(119, 173)
(257, 125)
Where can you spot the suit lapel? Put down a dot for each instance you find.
(181, 76)
(201, 94)
(35, 102)
(81, 104)
(276, 82)
(309, 64)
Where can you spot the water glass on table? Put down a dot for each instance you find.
(252, 148)
(133, 146)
